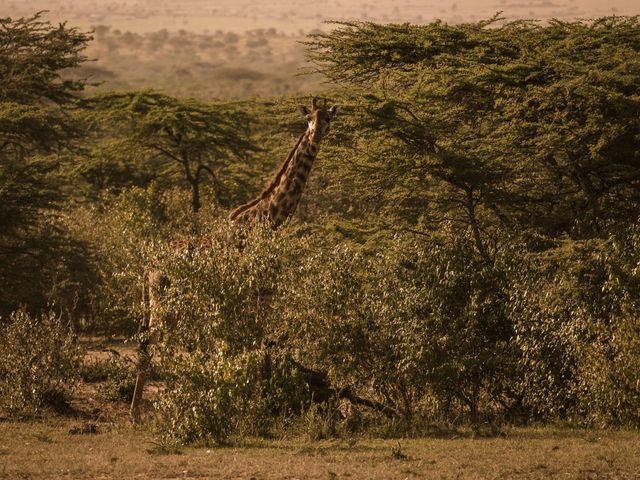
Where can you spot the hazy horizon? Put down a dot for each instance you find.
(296, 16)
(238, 48)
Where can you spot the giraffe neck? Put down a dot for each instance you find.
(286, 196)
(279, 200)
(247, 211)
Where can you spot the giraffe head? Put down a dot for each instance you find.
(318, 117)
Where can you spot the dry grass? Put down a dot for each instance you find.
(98, 443)
(49, 451)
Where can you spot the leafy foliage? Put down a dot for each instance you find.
(494, 129)
(208, 398)
(39, 363)
(571, 316)
(35, 125)
(120, 379)
(402, 325)
(192, 137)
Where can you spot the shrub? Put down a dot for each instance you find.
(120, 379)
(207, 395)
(222, 291)
(122, 233)
(608, 373)
(39, 363)
(574, 310)
(225, 378)
(428, 329)
(413, 322)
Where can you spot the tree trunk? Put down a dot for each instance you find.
(475, 228)
(144, 360)
(474, 406)
(195, 196)
(322, 391)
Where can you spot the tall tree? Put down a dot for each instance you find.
(35, 127)
(485, 127)
(195, 139)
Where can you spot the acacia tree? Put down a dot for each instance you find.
(575, 121)
(193, 138)
(35, 128)
(492, 127)
(34, 102)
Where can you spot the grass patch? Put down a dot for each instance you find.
(45, 450)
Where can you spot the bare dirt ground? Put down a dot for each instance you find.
(47, 450)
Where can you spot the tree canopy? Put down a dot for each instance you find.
(491, 126)
(35, 125)
(192, 138)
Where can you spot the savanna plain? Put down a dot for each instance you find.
(454, 295)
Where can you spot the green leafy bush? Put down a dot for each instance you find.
(39, 363)
(405, 325)
(123, 234)
(120, 379)
(207, 395)
(574, 312)
(222, 289)
(608, 372)
(424, 331)
(218, 356)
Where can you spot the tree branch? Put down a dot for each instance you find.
(387, 411)
(167, 153)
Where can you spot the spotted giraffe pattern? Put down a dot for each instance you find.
(278, 202)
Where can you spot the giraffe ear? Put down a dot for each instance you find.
(333, 110)
(304, 110)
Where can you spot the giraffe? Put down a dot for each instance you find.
(278, 201)
(274, 205)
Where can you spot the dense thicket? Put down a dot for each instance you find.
(467, 249)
